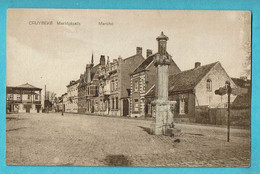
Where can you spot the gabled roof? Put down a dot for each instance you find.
(27, 86)
(93, 71)
(241, 82)
(73, 82)
(132, 57)
(144, 64)
(185, 80)
(241, 102)
(147, 62)
(244, 100)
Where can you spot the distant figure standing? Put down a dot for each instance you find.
(62, 110)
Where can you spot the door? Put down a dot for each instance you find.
(125, 107)
(27, 108)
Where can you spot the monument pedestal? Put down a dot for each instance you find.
(164, 124)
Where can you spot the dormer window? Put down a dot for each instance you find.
(209, 85)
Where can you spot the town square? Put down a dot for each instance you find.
(80, 140)
(177, 95)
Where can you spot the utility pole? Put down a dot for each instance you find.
(229, 89)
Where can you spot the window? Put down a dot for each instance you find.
(136, 85)
(116, 84)
(36, 96)
(209, 85)
(116, 102)
(10, 97)
(112, 85)
(113, 104)
(18, 97)
(136, 105)
(29, 97)
(183, 105)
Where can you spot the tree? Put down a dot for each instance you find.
(248, 57)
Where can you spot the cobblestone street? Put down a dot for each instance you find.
(81, 140)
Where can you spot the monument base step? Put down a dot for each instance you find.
(175, 132)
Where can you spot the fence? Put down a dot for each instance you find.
(218, 116)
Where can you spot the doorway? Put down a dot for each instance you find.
(125, 107)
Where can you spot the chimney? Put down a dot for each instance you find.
(102, 60)
(197, 64)
(149, 52)
(108, 60)
(139, 50)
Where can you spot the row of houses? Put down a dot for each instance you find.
(126, 87)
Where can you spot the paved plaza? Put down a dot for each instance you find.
(82, 140)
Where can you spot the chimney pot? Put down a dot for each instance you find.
(139, 50)
(149, 52)
(102, 60)
(197, 64)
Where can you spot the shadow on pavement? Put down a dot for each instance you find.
(117, 160)
(146, 129)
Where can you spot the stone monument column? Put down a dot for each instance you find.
(163, 107)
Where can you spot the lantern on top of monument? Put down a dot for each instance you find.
(162, 43)
(162, 58)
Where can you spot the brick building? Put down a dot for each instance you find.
(23, 98)
(194, 90)
(88, 87)
(143, 80)
(114, 84)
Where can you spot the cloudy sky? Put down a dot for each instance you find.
(55, 54)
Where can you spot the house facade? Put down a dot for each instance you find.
(142, 81)
(88, 87)
(23, 98)
(114, 84)
(194, 91)
(72, 97)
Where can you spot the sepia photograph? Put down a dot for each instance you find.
(148, 88)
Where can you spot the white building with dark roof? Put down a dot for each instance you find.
(23, 98)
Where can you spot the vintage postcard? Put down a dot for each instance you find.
(146, 88)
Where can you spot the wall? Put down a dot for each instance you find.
(218, 77)
(218, 116)
(127, 66)
(190, 99)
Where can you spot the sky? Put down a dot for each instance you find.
(53, 55)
